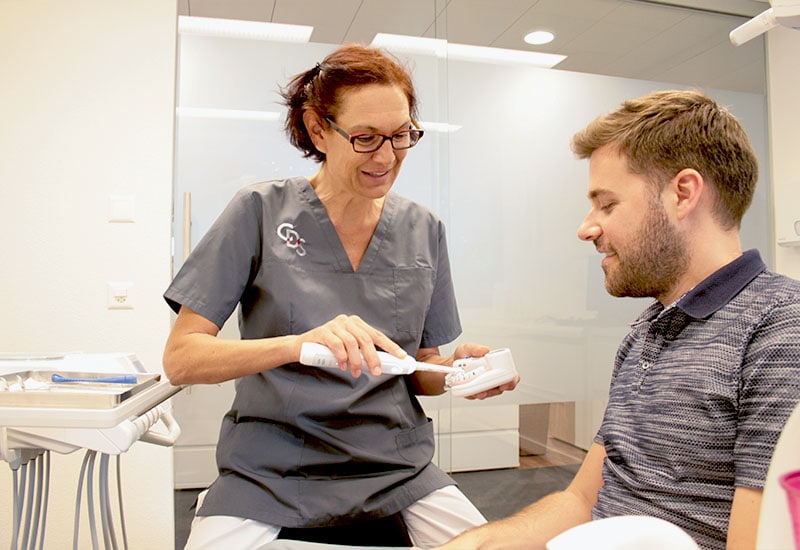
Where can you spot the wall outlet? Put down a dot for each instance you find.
(120, 295)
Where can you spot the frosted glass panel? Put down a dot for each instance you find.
(230, 121)
(504, 181)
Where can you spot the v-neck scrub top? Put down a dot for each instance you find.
(305, 446)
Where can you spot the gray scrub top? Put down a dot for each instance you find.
(305, 446)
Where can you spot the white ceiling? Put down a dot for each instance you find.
(679, 41)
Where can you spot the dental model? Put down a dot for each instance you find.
(478, 374)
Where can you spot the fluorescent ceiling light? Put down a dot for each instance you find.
(465, 52)
(411, 44)
(230, 114)
(538, 38)
(251, 30)
(500, 55)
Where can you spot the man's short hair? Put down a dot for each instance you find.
(664, 132)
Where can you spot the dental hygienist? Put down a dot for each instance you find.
(336, 259)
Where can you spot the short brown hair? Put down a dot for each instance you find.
(319, 88)
(664, 132)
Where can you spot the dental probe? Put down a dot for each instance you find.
(317, 355)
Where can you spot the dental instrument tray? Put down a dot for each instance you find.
(72, 390)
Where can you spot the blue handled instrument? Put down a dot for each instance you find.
(122, 379)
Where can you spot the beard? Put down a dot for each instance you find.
(654, 261)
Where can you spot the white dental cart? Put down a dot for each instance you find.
(102, 403)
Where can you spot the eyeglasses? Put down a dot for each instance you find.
(369, 143)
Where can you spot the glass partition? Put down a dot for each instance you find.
(496, 165)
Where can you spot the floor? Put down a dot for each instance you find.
(496, 493)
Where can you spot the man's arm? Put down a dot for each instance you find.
(743, 523)
(537, 523)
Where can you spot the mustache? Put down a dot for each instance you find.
(601, 248)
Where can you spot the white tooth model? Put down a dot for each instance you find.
(478, 374)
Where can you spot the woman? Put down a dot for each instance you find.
(339, 260)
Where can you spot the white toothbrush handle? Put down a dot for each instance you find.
(317, 355)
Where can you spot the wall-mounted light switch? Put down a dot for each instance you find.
(121, 208)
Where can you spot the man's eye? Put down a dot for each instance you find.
(608, 206)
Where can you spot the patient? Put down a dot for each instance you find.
(710, 371)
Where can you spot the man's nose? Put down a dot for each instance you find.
(589, 230)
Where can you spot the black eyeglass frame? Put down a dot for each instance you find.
(419, 132)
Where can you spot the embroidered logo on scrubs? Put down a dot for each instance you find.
(292, 238)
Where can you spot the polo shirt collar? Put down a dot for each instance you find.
(721, 286)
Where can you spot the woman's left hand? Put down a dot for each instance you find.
(477, 350)
(495, 391)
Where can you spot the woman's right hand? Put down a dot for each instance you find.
(349, 337)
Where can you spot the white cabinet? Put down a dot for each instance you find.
(474, 436)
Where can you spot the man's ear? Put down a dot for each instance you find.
(315, 129)
(689, 187)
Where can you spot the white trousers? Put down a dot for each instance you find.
(431, 521)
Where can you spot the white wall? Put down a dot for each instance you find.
(783, 87)
(87, 110)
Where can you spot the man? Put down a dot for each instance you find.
(708, 375)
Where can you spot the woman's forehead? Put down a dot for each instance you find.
(372, 100)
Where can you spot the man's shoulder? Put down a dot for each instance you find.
(775, 288)
(770, 297)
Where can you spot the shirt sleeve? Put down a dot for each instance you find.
(215, 274)
(770, 389)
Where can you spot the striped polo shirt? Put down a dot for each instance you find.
(700, 392)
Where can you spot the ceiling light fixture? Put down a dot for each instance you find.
(411, 44)
(500, 55)
(465, 52)
(251, 30)
(537, 38)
